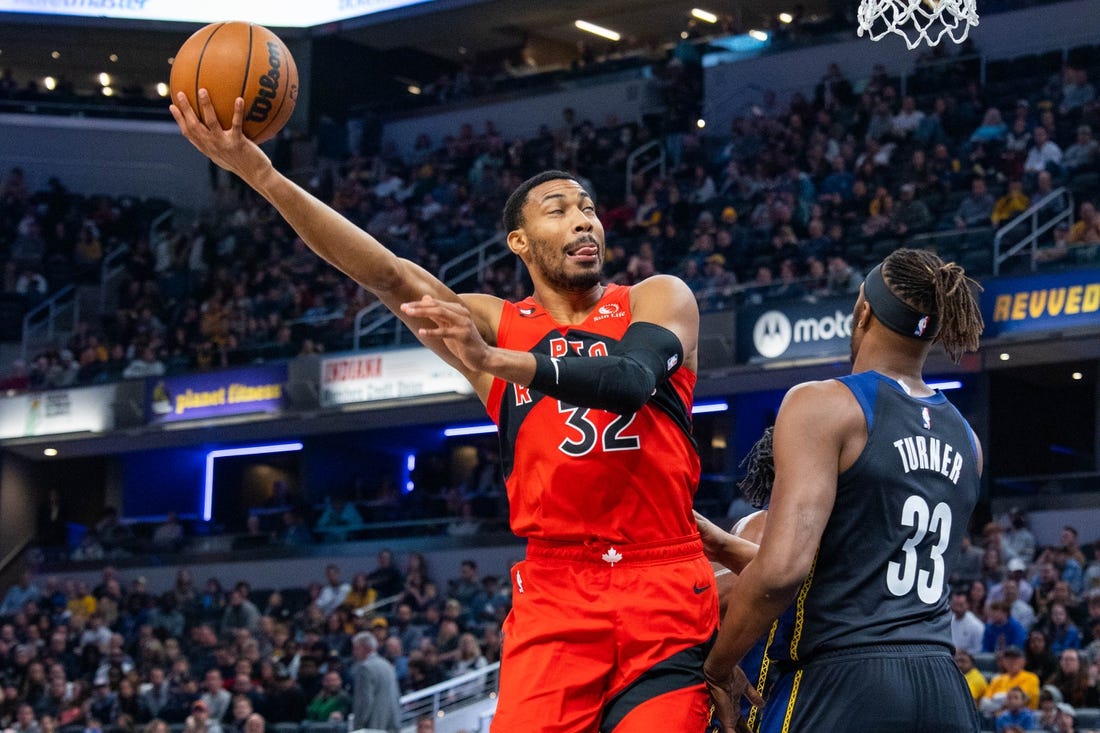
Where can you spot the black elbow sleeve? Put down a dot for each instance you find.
(621, 382)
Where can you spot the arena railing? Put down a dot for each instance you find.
(447, 697)
(43, 323)
(372, 319)
(1036, 226)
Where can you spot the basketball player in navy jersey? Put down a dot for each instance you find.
(614, 606)
(876, 478)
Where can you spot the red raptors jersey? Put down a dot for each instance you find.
(576, 474)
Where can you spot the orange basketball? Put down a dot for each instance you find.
(239, 59)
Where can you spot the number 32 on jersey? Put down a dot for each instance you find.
(902, 577)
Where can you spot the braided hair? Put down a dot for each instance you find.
(925, 282)
(756, 486)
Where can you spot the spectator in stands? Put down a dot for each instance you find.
(1083, 155)
(285, 701)
(911, 215)
(1014, 675)
(1060, 629)
(1075, 681)
(199, 721)
(976, 208)
(295, 532)
(334, 592)
(18, 595)
(332, 703)
(1086, 230)
(385, 577)
(1077, 91)
(1044, 155)
(361, 593)
(1037, 655)
(375, 696)
(147, 365)
(1016, 713)
(1056, 251)
(239, 613)
(1014, 202)
(1049, 697)
(1066, 720)
(1002, 631)
(967, 629)
(169, 534)
(975, 680)
(339, 512)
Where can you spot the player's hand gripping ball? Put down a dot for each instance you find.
(239, 59)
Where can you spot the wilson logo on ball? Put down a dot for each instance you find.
(269, 85)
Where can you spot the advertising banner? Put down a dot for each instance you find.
(1036, 303)
(795, 330)
(387, 375)
(87, 409)
(215, 394)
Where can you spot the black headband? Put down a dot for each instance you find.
(893, 312)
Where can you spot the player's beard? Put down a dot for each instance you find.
(554, 272)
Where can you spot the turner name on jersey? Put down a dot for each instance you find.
(922, 453)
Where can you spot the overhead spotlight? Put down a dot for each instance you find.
(55, 54)
(683, 35)
(104, 79)
(413, 89)
(1077, 376)
(786, 18)
(758, 35)
(162, 89)
(113, 58)
(171, 60)
(1004, 356)
(50, 83)
(597, 30)
(700, 123)
(108, 92)
(51, 452)
(704, 15)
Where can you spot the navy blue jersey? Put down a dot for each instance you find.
(891, 542)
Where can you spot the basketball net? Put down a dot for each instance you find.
(918, 21)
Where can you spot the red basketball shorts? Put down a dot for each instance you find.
(604, 638)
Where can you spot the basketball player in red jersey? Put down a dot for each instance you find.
(614, 607)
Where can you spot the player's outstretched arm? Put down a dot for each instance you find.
(341, 243)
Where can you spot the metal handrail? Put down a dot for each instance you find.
(53, 307)
(1030, 216)
(466, 688)
(632, 159)
(483, 257)
(108, 271)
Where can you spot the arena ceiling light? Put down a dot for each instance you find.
(254, 450)
(704, 15)
(598, 30)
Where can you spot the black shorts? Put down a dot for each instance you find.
(894, 688)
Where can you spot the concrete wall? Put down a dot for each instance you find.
(114, 157)
(18, 502)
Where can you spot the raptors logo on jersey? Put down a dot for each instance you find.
(574, 473)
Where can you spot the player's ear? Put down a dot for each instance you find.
(862, 316)
(517, 242)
